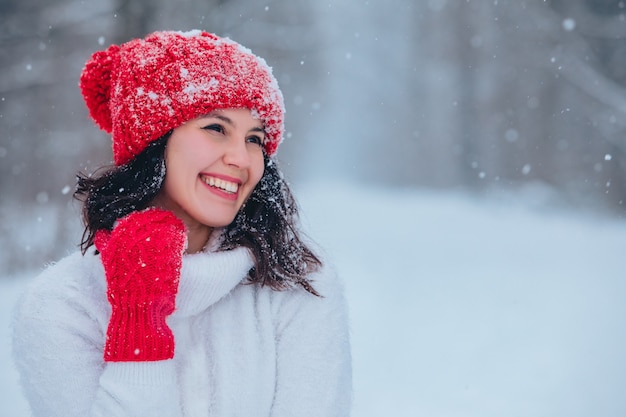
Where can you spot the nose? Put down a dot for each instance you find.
(236, 153)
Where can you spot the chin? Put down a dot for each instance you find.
(218, 222)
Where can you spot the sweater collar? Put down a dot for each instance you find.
(208, 276)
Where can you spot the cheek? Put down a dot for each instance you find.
(181, 161)
(258, 163)
(179, 176)
(257, 171)
(255, 174)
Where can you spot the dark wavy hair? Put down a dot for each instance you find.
(266, 224)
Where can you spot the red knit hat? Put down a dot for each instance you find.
(140, 90)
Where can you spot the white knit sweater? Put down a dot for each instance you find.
(241, 349)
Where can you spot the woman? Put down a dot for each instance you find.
(194, 293)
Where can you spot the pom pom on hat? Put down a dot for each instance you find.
(140, 90)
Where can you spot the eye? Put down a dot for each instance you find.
(258, 140)
(216, 127)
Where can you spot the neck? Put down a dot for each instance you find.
(197, 233)
(197, 237)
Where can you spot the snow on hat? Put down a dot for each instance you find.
(140, 90)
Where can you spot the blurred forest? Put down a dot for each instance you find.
(476, 95)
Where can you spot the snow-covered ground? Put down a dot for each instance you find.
(462, 306)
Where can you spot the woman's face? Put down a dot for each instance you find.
(212, 165)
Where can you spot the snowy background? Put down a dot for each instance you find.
(461, 306)
(463, 163)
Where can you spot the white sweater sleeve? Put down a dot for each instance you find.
(142, 389)
(314, 375)
(58, 343)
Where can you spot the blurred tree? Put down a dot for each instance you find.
(577, 141)
(519, 92)
(43, 49)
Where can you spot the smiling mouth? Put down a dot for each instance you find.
(226, 186)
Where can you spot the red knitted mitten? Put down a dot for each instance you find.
(142, 259)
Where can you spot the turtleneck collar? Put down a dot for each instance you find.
(208, 276)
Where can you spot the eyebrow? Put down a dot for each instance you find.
(230, 122)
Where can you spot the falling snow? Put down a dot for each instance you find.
(569, 24)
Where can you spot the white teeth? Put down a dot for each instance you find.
(227, 186)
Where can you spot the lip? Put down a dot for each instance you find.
(222, 177)
(218, 191)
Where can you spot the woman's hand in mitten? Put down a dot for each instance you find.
(142, 259)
